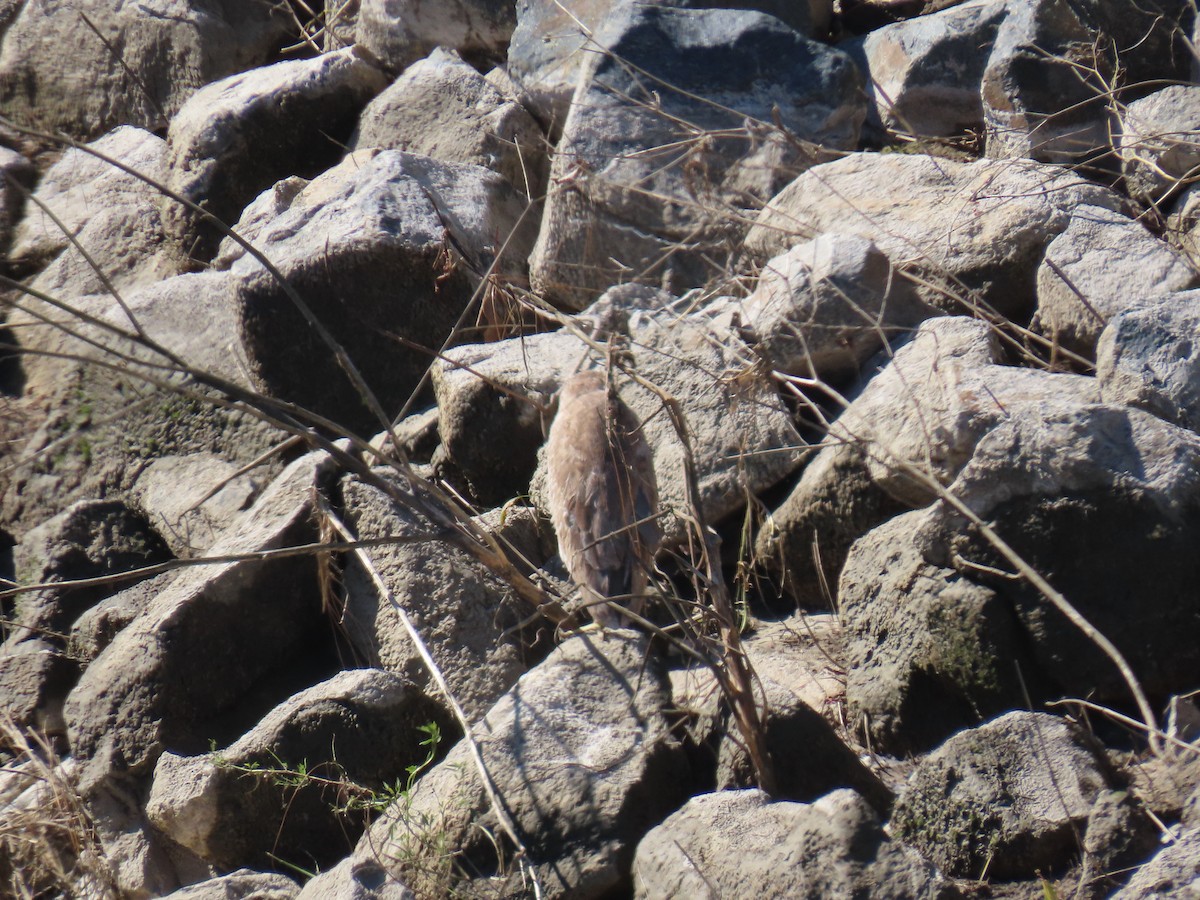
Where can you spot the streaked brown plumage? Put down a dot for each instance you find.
(603, 496)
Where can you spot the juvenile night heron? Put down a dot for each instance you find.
(603, 496)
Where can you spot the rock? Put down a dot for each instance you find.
(35, 676)
(639, 197)
(205, 639)
(551, 43)
(169, 489)
(400, 32)
(363, 879)
(442, 108)
(238, 136)
(362, 727)
(96, 628)
(244, 884)
(824, 307)
(1119, 836)
(382, 246)
(80, 186)
(923, 415)
(1157, 145)
(923, 74)
(1172, 872)
(804, 541)
(1038, 96)
(56, 72)
(739, 843)
(13, 168)
(581, 753)
(468, 619)
(729, 423)
(1058, 483)
(341, 23)
(1005, 798)
(999, 217)
(1102, 264)
(1148, 358)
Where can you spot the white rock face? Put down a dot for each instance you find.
(1158, 143)
(399, 32)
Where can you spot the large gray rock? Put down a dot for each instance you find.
(205, 639)
(994, 222)
(638, 195)
(824, 307)
(728, 423)
(933, 621)
(237, 137)
(57, 73)
(1005, 799)
(386, 250)
(581, 754)
(441, 107)
(1039, 100)
(740, 843)
(362, 726)
(923, 74)
(1158, 144)
(1102, 264)
(467, 618)
(399, 32)
(1171, 873)
(244, 884)
(552, 42)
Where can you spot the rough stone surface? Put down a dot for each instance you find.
(1007, 796)
(13, 168)
(1119, 836)
(399, 32)
(363, 726)
(205, 639)
(376, 248)
(924, 74)
(739, 843)
(824, 307)
(462, 612)
(244, 884)
(1172, 872)
(550, 45)
(1158, 145)
(1149, 358)
(582, 742)
(1114, 263)
(1058, 483)
(994, 221)
(1035, 102)
(728, 420)
(441, 107)
(57, 73)
(637, 197)
(237, 137)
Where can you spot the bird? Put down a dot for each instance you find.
(602, 496)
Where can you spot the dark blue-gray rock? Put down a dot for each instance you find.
(1101, 265)
(1149, 358)
(740, 844)
(923, 74)
(237, 137)
(386, 249)
(443, 108)
(1158, 145)
(983, 245)
(581, 753)
(1045, 90)
(1006, 799)
(399, 32)
(934, 622)
(674, 132)
(363, 727)
(552, 42)
(56, 72)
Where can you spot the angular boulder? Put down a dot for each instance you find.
(399, 32)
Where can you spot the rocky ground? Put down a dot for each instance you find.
(905, 294)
